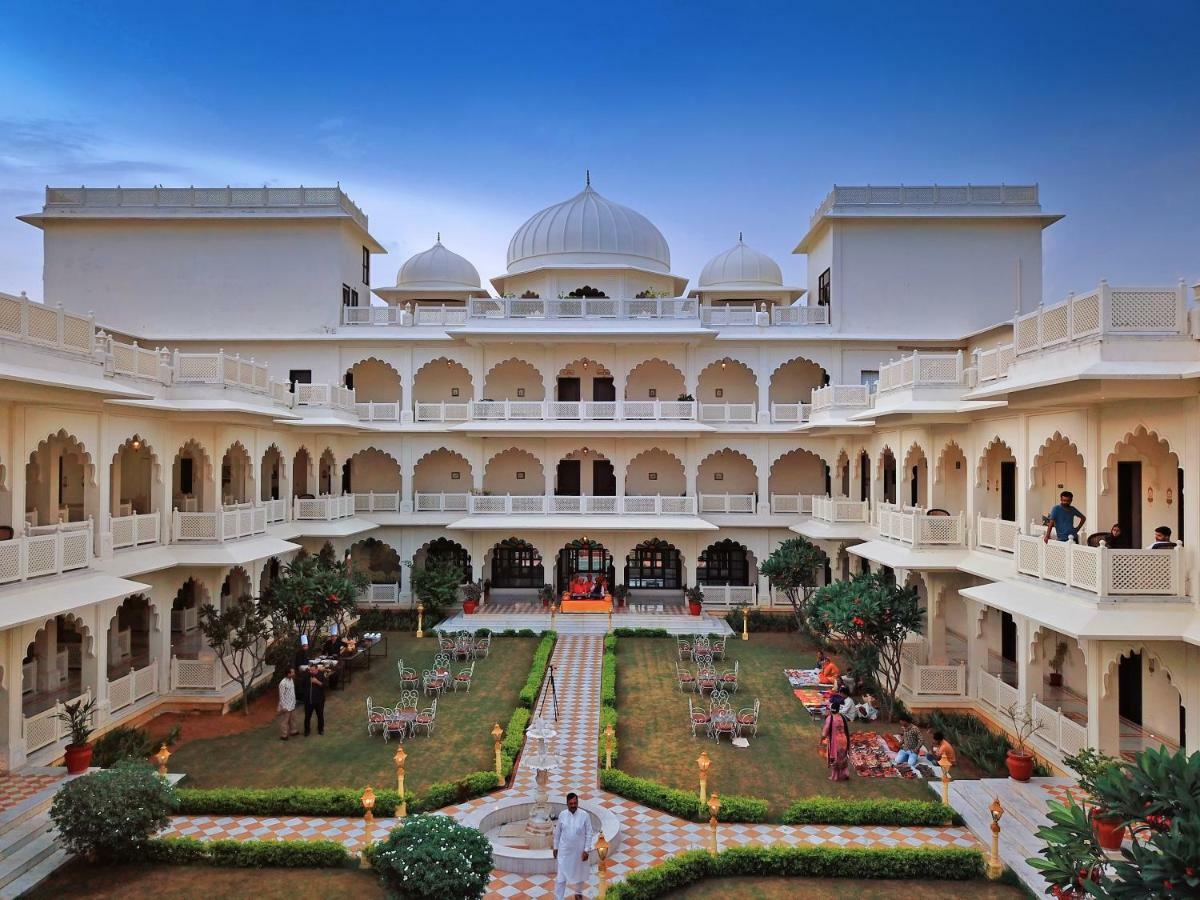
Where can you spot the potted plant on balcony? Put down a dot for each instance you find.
(695, 599)
(620, 593)
(472, 591)
(685, 398)
(1091, 765)
(77, 716)
(1020, 759)
(1056, 664)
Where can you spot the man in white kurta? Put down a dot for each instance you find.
(573, 838)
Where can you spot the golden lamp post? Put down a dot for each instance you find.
(160, 759)
(602, 853)
(420, 620)
(714, 807)
(610, 612)
(497, 733)
(553, 612)
(995, 868)
(610, 737)
(368, 803)
(401, 804)
(704, 764)
(745, 623)
(944, 764)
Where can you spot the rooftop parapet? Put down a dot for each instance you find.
(951, 198)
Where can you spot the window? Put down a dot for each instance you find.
(516, 564)
(366, 266)
(869, 378)
(299, 376)
(353, 297)
(654, 564)
(185, 475)
(348, 297)
(348, 380)
(447, 551)
(823, 289)
(725, 562)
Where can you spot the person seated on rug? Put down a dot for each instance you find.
(846, 685)
(910, 743)
(861, 709)
(941, 748)
(829, 672)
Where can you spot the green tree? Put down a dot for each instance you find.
(108, 815)
(436, 584)
(312, 593)
(239, 635)
(868, 619)
(793, 567)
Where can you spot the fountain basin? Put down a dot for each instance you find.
(505, 815)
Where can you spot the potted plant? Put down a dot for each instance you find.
(695, 599)
(685, 398)
(471, 594)
(546, 594)
(620, 593)
(1090, 765)
(77, 717)
(1019, 759)
(1056, 664)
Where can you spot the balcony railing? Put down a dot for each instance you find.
(1101, 570)
(923, 370)
(1058, 732)
(48, 326)
(199, 675)
(800, 315)
(383, 594)
(230, 523)
(841, 396)
(729, 596)
(728, 413)
(276, 510)
(790, 413)
(995, 363)
(536, 504)
(221, 368)
(944, 681)
(917, 528)
(840, 509)
(132, 687)
(581, 411)
(46, 550)
(741, 504)
(324, 508)
(453, 411)
(928, 195)
(46, 727)
(377, 502)
(993, 691)
(441, 502)
(133, 361)
(996, 534)
(792, 504)
(582, 308)
(442, 315)
(135, 531)
(332, 396)
(1106, 310)
(376, 411)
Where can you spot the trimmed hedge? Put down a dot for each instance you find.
(685, 805)
(844, 811)
(541, 659)
(935, 863)
(760, 620)
(608, 695)
(246, 854)
(641, 632)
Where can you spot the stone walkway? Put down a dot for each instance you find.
(649, 836)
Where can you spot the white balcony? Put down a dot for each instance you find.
(137, 530)
(736, 504)
(377, 502)
(920, 370)
(790, 413)
(442, 412)
(46, 550)
(582, 308)
(1101, 570)
(1059, 732)
(441, 502)
(45, 728)
(729, 596)
(325, 508)
(940, 681)
(800, 315)
(578, 411)
(133, 361)
(832, 397)
(536, 504)
(792, 504)
(129, 689)
(840, 509)
(228, 524)
(438, 316)
(221, 369)
(276, 510)
(996, 534)
(917, 528)
(374, 411)
(728, 413)
(330, 396)
(383, 594)
(48, 326)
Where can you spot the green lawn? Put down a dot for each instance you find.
(83, 880)
(345, 756)
(843, 889)
(782, 763)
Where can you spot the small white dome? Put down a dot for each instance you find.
(741, 266)
(437, 269)
(588, 230)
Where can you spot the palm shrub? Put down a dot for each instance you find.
(433, 857)
(109, 815)
(124, 742)
(436, 584)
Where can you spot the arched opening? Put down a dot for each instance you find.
(997, 479)
(1143, 489)
(1057, 467)
(795, 380)
(444, 550)
(442, 471)
(268, 576)
(653, 473)
(727, 472)
(59, 482)
(864, 475)
(442, 380)
(372, 471)
(726, 562)
(797, 473)
(916, 477)
(887, 475)
(52, 668)
(585, 379)
(236, 476)
(585, 473)
(191, 480)
(271, 474)
(516, 472)
(378, 561)
(950, 480)
(584, 560)
(129, 636)
(373, 381)
(236, 586)
(514, 379)
(727, 381)
(1150, 709)
(587, 292)
(303, 482)
(654, 379)
(186, 639)
(326, 467)
(654, 565)
(131, 479)
(516, 564)
(843, 474)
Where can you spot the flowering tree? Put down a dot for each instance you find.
(792, 568)
(238, 635)
(868, 618)
(312, 593)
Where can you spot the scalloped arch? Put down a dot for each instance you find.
(656, 359)
(454, 364)
(1130, 436)
(788, 362)
(428, 453)
(1054, 438)
(804, 451)
(375, 359)
(584, 362)
(939, 468)
(981, 465)
(705, 459)
(89, 468)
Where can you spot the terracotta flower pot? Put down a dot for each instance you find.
(694, 608)
(1109, 830)
(1020, 765)
(469, 606)
(78, 759)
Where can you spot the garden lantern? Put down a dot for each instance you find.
(704, 764)
(944, 765)
(995, 868)
(602, 853)
(420, 620)
(160, 759)
(745, 623)
(497, 733)
(402, 804)
(714, 807)
(610, 737)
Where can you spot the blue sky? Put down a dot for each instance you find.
(709, 118)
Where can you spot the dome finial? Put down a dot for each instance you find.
(587, 177)
(439, 237)
(739, 237)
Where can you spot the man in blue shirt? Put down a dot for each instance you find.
(1062, 519)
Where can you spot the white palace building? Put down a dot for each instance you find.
(217, 379)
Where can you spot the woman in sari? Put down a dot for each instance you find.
(836, 734)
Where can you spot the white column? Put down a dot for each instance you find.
(408, 472)
(935, 629)
(406, 388)
(1103, 726)
(1029, 669)
(977, 651)
(763, 378)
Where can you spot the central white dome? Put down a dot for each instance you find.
(437, 269)
(588, 230)
(741, 266)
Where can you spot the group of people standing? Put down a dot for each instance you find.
(1064, 521)
(308, 688)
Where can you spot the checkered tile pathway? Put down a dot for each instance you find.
(649, 836)
(16, 789)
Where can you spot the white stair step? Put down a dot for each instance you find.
(44, 868)
(34, 843)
